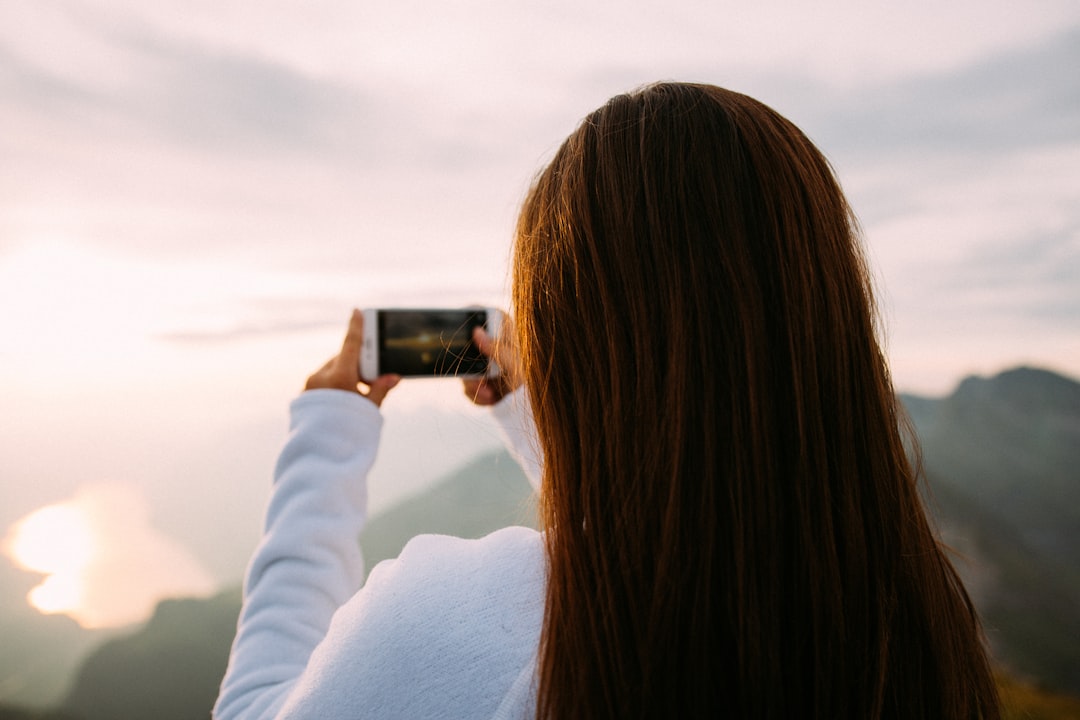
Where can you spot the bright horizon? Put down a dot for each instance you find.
(193, 197)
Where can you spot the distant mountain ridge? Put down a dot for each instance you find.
(38, 653)
(1001, 458)
(169, 669)
(1012, 442)
(489, 493)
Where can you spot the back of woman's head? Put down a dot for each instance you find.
(731, 521)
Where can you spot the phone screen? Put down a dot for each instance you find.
(430, 343)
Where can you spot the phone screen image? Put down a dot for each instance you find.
(432, 343)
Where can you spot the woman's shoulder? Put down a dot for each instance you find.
(443, 630)
(469, 581)
(519, 550)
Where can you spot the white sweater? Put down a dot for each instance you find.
(447, 630)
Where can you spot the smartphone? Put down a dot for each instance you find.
(418, 342)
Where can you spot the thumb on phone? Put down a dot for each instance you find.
(503, 352)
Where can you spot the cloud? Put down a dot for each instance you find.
(991, 105)
(394, 141)
(421, 83)
(276, 317)
(1032, 282)
(492, 41)
(199, 97)
(966, 182)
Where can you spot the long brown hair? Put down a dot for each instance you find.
(732, 525)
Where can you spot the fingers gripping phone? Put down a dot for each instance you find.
(415, 342)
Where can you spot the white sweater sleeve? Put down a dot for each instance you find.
(308, 563)
(514, 415)
(449, 629)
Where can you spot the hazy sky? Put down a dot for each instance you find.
(194, 194)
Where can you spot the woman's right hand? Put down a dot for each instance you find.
(342, 372)
(504, 352)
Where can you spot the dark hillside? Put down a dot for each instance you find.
(38, 653)
(1002, 458)
(1030, 615)
(169, 670)
(1013, 442)
(489, 493)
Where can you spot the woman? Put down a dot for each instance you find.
(730, 523)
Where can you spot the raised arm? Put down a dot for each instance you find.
(308, 563)
(508, 399)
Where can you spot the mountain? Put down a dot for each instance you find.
(1002, 461)
(39, 654)
(168, 670)
(14, 713)
(1013, 442)
(999, 454)
(1030, 614)
(171, 668)
(489, 493)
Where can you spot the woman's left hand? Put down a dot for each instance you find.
(504, 352)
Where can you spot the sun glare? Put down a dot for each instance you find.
(57, 594)
(103, 562)
(57, 541)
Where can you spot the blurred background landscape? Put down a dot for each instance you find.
(1000, 454)
(194, 194)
